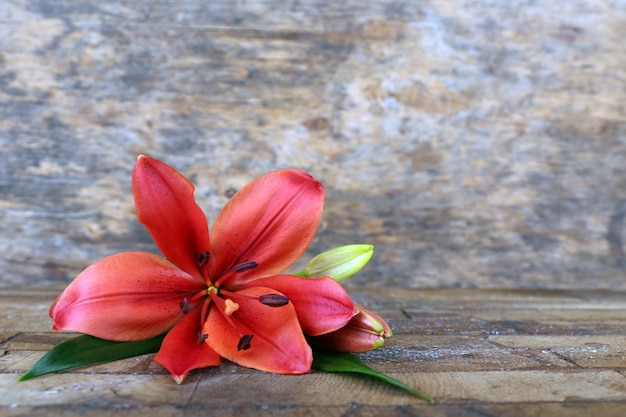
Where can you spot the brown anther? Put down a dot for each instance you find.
(203, 258)
(185, 306)
(202, 337)
(244, 266)
(273, 300)
(244, 342)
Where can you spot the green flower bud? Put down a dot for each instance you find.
(340, 263)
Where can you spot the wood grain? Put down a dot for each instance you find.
(478, 352)
(473, 143)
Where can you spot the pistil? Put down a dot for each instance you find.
(227, 307)
(230, 307)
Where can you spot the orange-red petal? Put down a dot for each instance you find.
(124, 297)
(166, 206)
(184, 348)
(322, 304)
(277, 343)
(271, 221)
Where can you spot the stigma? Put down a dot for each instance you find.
(230, 307)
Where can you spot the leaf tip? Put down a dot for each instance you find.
(24, 377)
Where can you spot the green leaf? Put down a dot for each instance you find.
(347, 362)
(88, 350)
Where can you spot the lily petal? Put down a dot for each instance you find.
(322, 304)
(270, 222)
(124, 297)
(184, 348)
(166, 206)
(277, 344)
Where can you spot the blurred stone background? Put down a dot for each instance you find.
(474, 143)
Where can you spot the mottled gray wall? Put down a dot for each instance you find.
(475, 143)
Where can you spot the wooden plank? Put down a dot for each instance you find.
(533, 369)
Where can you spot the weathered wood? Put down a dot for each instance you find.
(474, 143)
(479, 352)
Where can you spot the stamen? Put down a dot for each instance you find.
(205, 309)
(202, 337)
(203, 258)
(185, 306)
(273, 300)
(244, 342)
(230, 307)
(244, 266)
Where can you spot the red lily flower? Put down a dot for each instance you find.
(219, 297)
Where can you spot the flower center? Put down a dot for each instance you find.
(223, 301)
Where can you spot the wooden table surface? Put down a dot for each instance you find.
(478, 352)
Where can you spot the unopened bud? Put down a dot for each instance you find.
(364, 332)
(369, 321)
(341, 262)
